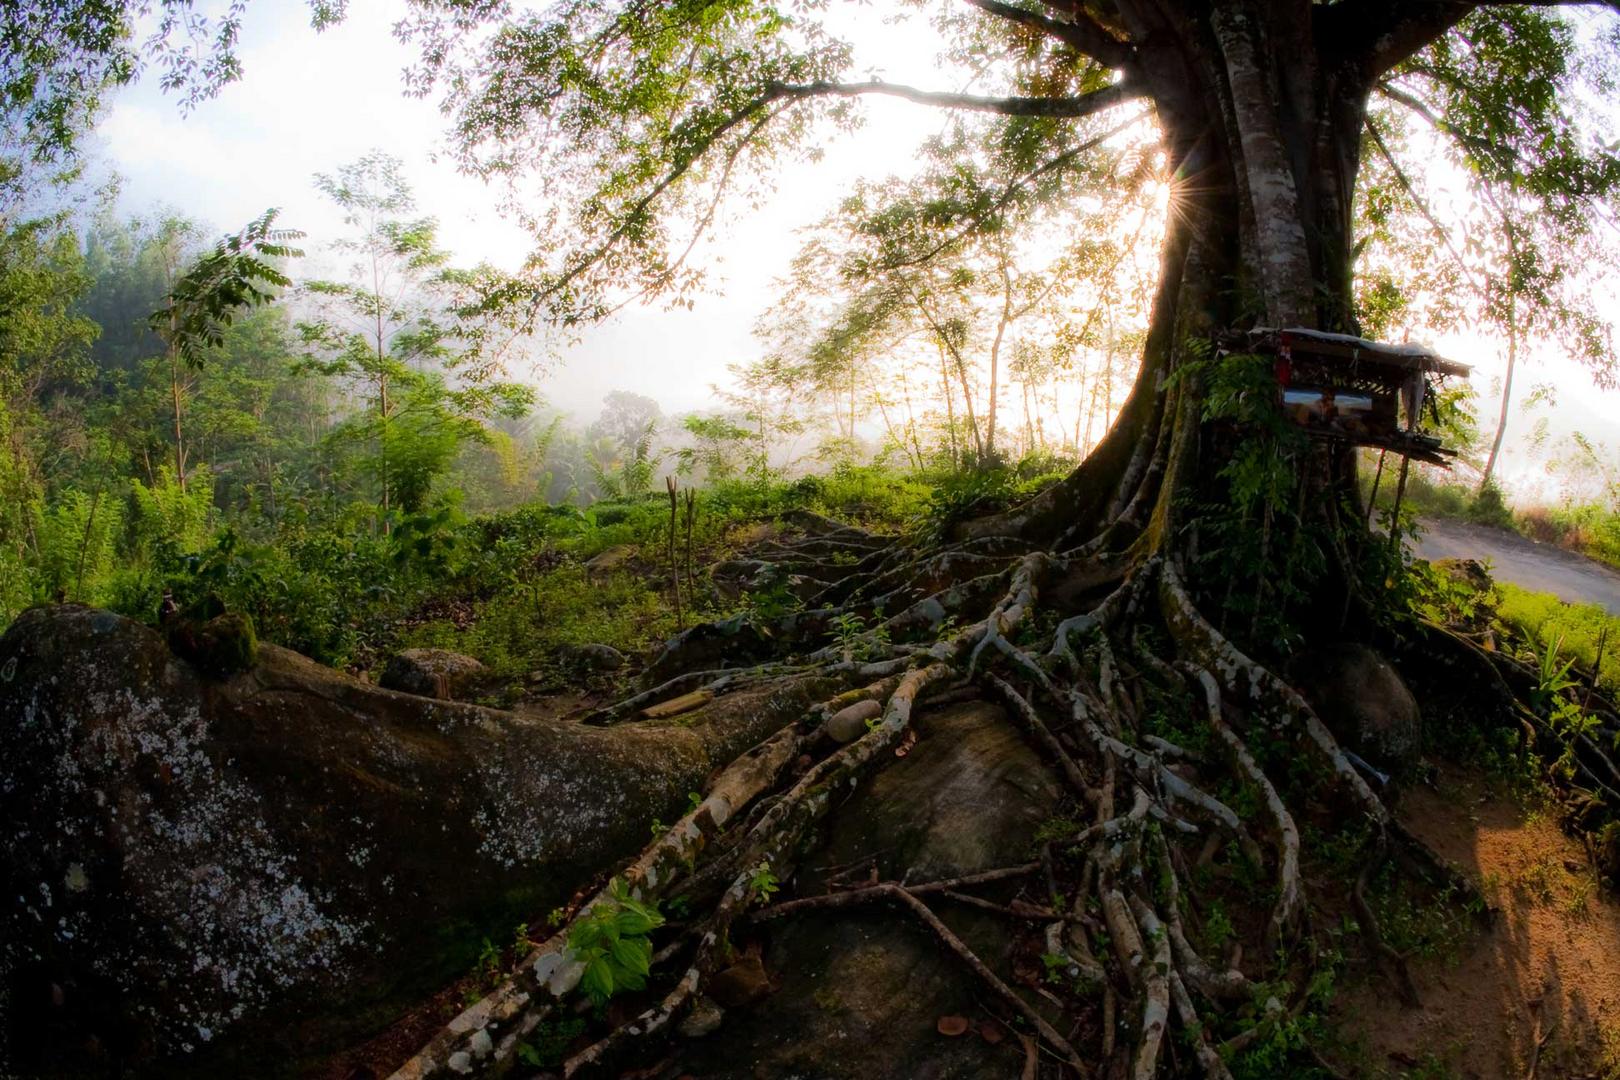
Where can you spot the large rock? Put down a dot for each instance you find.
(863, 990)
(434, 673)
(203, 876)
(733, 642)
(594, 657)
(1362, 700)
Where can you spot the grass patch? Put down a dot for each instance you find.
(1590, 529)
(514, 633)
(1575, 629)
(520, 590)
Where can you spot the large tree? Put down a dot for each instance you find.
(1197, 547)
(1200, 520)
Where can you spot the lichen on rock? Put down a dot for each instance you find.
(206, 874)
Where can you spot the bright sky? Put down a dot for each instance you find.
(310, 102)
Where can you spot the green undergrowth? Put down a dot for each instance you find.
(1573, 630)
(515, 633)
(511, 588)
(531, 588)
(1428, 497)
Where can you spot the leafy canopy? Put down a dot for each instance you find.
(239, 273)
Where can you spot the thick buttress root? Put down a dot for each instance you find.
(1124, 913)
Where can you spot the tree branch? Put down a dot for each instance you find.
(1423, 207)
(1426, 113)
(1061, 108)
(1068, 108)
(1014, 187)
(1078, 31)
(1379, 34)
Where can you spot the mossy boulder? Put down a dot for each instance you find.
(434, 673)
(226, 644)
(1362, 699)
(218, 643)
(233, 876)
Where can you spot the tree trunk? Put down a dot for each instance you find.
(1265, 142)
(960, 366)
(382, 449)
(1507, 397)
(950, 407)
(176, 397)
(995, 378)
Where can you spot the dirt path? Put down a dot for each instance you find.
(1547, 970)
(1527, 564)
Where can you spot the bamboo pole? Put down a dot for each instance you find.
(691, 518)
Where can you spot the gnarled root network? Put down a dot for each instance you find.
(1169, 754)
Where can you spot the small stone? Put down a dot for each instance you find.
(705, 1017)
(612, 559)
(481, 1043)
(460, 1062)
(741, 983)
(849, 723)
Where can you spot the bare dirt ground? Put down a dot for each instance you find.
(1527, 564)
(1547, 971)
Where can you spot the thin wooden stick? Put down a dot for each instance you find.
(674, 566)
(1597, 667)
(691, 517)
(1378, 474)
(1003, 991)
(868, 893)
(1395, 512)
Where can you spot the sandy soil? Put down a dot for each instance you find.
(1527, 564)
(1547, 970)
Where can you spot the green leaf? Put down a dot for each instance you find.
(597, 981)
(637, 918)
(632, 955)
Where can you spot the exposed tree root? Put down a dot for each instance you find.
(1057, 637)
(1289, 896)
(1393, 963)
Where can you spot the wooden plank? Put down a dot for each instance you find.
(675, 706)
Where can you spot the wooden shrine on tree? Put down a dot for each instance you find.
(1349, 389)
